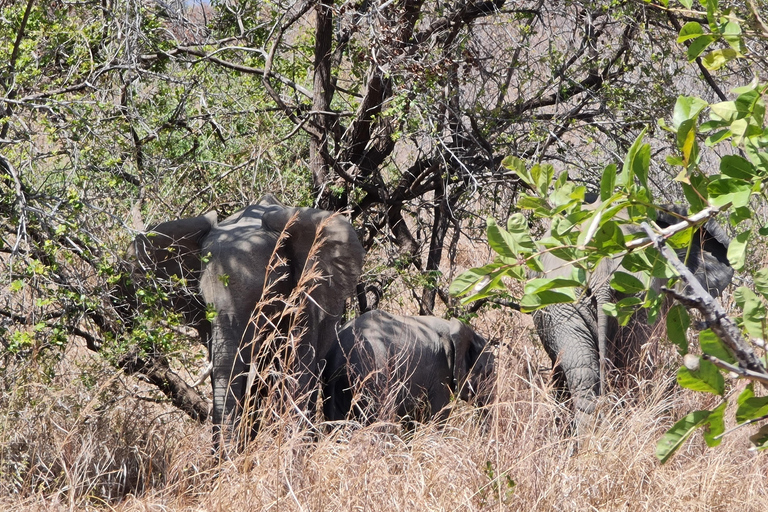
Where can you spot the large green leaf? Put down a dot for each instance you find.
(707, 378)
(626, 283)
(736, 166)
(760, 438)
(468, 279)
(752, 408)
(678, 322)
(623, 309)
(761, 282)
(716, 59)
(636, 163)
(510, 244)
(687, 107)
(712, 345)
(698, 46)
(608, 182)
(737, 250)
(541, 284)
(729, 190)
(532, 302)
(754, 311)
(715, 425)
(690, 30)
(680, 431)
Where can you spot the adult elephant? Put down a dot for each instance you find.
(267, 272)
(572, 334)
(420, 361)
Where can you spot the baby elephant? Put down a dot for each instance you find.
(417, 361)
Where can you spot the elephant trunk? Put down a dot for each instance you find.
(228, 377)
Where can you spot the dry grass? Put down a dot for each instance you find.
(69, 443)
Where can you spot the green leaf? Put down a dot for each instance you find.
(470, 278)
(542, 175)
(712, 345)
(736, 166)
(608, 182)
(716, 59)
(761, 282)
(754, 312)
(539, 205)
(760, 438)
(626, 283)
(686, 141)
(623, 309)
(686, 3)
(541, 284)
(695, 191)
(698, 46)
(660, 268)
(690, 30)
(707, 378)
(680, 431)
(751, 408)
(729, 190)
(532, 302)
(517, 166)
(737, 250)
(510, 244)
(636, 163)
(687, 107)
(681, 239)
(715, 425)
(739, 214)
(678, 322)
(728, 111)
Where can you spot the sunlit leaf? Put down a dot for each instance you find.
(712, 345)
(626, 283)
(690, 30)
(737, 250)
(715, 425)
(707, 378)
(680, 431)
(716, 59)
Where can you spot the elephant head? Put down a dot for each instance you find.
(420, 359)
(170, 251)
(576, 335)
(267, 271)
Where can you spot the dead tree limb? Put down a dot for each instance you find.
(716, 318)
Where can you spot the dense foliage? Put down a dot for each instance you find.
(585, 235)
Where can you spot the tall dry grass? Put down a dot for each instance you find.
(75, 443)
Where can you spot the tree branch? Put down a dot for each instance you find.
(714, 315)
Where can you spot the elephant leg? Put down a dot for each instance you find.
(568, 332)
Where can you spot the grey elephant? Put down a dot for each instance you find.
(266, 273)
(420, 361)
(573, 333)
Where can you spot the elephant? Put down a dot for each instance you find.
(572, 333)
(263, 279)
(419, 360)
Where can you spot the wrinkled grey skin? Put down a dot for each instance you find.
(424, 357)
(227, 265)
(571, 333)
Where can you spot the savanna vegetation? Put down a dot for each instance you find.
(422, 121)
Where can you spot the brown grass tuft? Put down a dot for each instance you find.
(79, 442)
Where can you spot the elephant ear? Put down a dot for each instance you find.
(173, 248)
(708, 255)
(326, 247)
